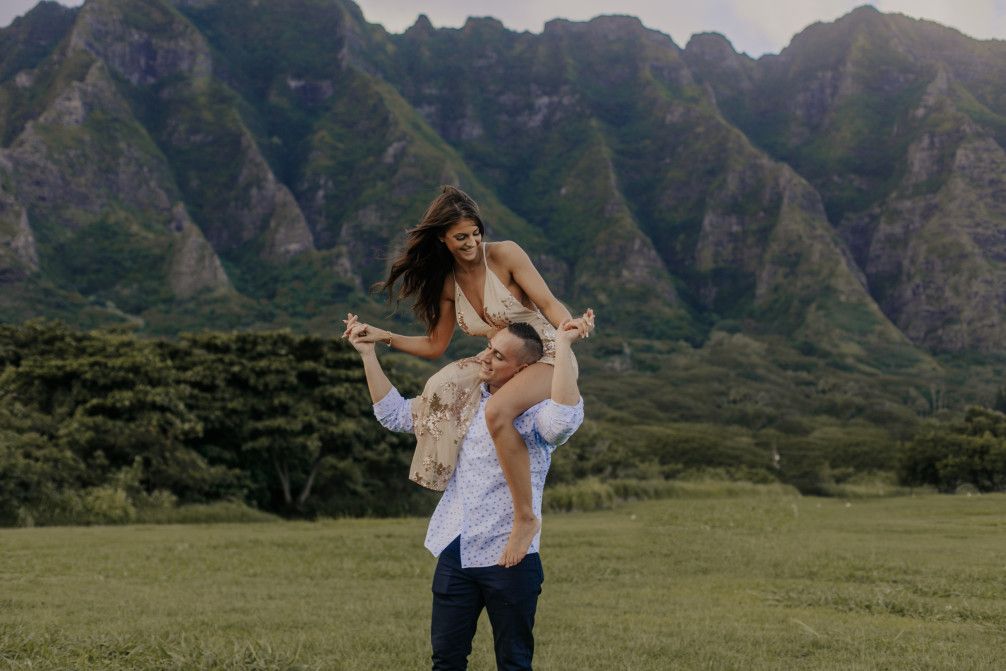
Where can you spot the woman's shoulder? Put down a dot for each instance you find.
(504, 251)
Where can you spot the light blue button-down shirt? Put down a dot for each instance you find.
(476, 504)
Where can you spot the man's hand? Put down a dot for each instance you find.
(356, 333)
(572, 330)
(564, 387)
(377, 382)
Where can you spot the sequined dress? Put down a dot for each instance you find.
(442, 413)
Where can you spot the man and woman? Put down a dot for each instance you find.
(471, 524)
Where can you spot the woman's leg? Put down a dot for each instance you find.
(528, 387)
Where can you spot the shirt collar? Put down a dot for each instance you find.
(485, 390)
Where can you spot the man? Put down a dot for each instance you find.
(472, 521)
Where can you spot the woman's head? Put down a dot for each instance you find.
(452, 207)
(451, 229)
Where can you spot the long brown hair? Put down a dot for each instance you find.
(424, 264)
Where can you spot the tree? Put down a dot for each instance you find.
(289, 411)
(969, 451)
(110, 400)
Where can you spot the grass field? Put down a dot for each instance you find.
(760, 582)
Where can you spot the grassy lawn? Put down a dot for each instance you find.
(769, 582)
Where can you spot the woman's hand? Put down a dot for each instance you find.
(363, 333)
(572, 330)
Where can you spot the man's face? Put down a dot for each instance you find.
(501, 360)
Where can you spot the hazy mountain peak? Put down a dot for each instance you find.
(422, 26)
(480, 23)
(605, 26)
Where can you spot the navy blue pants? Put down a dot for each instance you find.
(510, 595)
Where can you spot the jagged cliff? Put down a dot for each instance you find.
(899, 125)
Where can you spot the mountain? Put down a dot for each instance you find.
(815, 233)
(899, 125)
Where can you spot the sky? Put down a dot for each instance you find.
(753, 26)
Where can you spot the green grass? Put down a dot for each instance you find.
(756, 582)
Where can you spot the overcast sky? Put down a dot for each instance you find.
(754, 26)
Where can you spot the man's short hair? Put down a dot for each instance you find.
(533, 347)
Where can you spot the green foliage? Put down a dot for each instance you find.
(292, 412)
(964, 452)
(112, 259)
(103, 428)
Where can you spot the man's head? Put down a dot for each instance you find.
(510, 351)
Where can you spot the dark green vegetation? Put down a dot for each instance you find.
(759, 582)
(968, 454)
(796, 260)
(108, 428)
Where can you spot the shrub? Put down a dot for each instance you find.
(948, 455)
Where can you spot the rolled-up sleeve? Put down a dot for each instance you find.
(556, 422)
(394, 412)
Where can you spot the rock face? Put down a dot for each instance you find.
(938, 260)
(143, 42)
(195, 267)
(18, 253)
(897, 125)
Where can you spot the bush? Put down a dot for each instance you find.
(593, 494)
(948, 455)
(589, 494)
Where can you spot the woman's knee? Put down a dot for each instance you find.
(499, 417)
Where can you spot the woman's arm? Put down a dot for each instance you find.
(430, 346)
(516, 261)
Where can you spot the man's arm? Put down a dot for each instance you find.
(392, 411)
(564, 384)
(563, 416)
(377, 382)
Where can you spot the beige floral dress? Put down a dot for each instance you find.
(442, 413)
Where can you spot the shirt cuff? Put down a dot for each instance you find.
(567, 410)
(578, 405)
(557, 422)
(389, 404)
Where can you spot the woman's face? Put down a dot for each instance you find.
(463, 240)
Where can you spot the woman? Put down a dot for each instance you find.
(456, 277)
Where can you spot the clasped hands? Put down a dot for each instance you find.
(572, 330)
(360, 335)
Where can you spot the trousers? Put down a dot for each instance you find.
(509, 595)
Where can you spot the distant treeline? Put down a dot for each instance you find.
(101, 427)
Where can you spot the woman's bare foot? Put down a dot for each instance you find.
(523, 532)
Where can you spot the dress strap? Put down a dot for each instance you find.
(485, 259)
